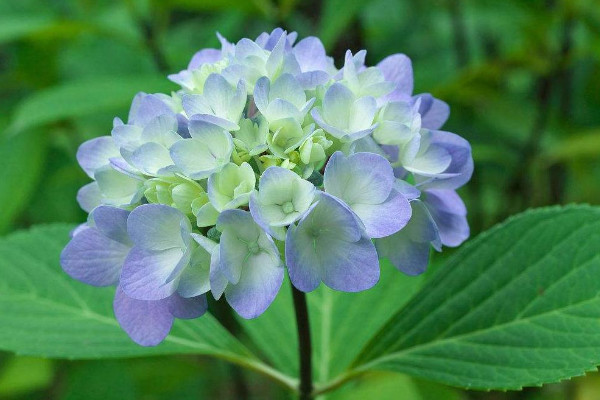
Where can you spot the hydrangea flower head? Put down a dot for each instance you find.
(267, 158)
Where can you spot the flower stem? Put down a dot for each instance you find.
(305, 387)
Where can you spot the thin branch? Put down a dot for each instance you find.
(304, 345)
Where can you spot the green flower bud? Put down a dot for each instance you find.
(287, 136)
(199, 76)
(231, 187)
(269, 160)
(176, 192)
(251, 138)
(313, 149)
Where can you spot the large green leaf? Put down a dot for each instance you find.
(83, 97)
(341, 323)
(43, 312)
(518, 306)
(22, 159)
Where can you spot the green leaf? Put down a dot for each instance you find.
(341, 323)
(518, 306)
(43, 312)
(13, 27)
(22, 165)
(83, 97)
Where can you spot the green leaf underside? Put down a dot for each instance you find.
(73, 99)
(518, 306)
(341, 323)
(44, 312)
(385, 385)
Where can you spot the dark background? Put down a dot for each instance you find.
(522, 78)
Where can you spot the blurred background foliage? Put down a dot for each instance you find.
(522, 78)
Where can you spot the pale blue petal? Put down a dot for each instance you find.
(398, 68)
(365, 178)
(158, 227)
(89, 197)
(204, 56)
(328, 245)
(259, 283)
(96, 153)
(218, 281)
(337, 103)
(194, 279)
(261, 94)
(151, 158)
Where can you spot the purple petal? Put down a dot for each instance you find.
(146, 107)
(450, 215)
(384, 219)
(311, 55)
(398, 68)
(93, 258)
(145, 273)
(112, 223)
(409, 248)
(182, 126)
(328, 245)
(190, 308)
(146, 322)
(461, 165)
(312, 79)
(434, 112)
(407, 190)
(268, 41)
(122, 166)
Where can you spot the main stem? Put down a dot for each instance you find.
(304, 344)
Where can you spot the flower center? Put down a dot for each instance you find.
(253, 248)
(287, 207)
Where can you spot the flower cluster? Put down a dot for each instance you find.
(269, 157)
